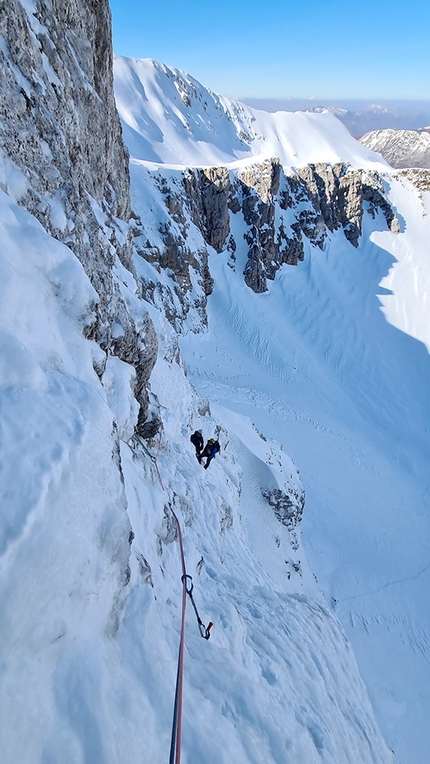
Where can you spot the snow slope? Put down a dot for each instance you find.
(170, 118)
(330, 363)
(91, 580)
(90, 612)
(318, 364)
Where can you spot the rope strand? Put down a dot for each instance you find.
(175, 740)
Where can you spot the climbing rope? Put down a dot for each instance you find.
(175, 741)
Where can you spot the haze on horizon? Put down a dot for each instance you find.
(376, 51)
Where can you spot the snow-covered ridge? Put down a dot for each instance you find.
(175, 127)
(168, 117)
(360, 117)
(317, 356)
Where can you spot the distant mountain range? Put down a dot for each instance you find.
(359, 116)
(401, 148)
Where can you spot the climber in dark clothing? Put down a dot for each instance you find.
(197, 441)
(210, 451)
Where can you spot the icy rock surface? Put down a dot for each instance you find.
(59, 123)
(65, 161)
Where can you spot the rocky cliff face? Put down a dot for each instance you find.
(419, 178)
(277, 210)
(66, 161)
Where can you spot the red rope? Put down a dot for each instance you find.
(175, 747)
(175, 742)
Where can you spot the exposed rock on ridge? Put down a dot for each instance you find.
(277, 210)
(288, 509)
(418, 177)
(209, 189)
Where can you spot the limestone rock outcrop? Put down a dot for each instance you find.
(278, 210)
(419, 178)
(288, 509)
(67, 164)
(208, 193)
(269, 246)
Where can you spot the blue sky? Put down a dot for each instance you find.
(278, 49)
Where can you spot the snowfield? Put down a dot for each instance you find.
(319, 652)
(90, 634)
(317, 365)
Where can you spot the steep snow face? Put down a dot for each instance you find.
(327, 361)
(91, 579)
(170, 118)
(400, 148)
(64, 532)
(405, 289)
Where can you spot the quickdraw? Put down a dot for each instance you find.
(205, 631)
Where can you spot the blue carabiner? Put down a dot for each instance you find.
(190, 590)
